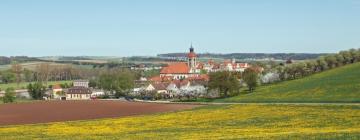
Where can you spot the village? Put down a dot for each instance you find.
(176, 80)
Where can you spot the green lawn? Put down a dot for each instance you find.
(336, 85)
(209, 122)
(23, 85)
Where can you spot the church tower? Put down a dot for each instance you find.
(192, 59)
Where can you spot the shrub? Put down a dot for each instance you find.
(9, 95)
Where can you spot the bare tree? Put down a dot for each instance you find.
(43, 72)
(17, 69)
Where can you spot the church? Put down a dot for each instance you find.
(192, 69)
(182, 70)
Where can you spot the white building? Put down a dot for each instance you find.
(81, 83)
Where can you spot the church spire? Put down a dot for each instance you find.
(191, 47)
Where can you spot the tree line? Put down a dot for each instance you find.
(45, 72)
(308, 67)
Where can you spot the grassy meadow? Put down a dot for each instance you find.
(214, 122)
(23, 85)
(337, 85)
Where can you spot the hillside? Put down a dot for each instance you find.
(336, 85)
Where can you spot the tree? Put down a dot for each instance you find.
(36, 90)
(93, 83)
(290, 71)
(322, 64)
(340, 60)
(117, 81)
(9, 96)
(355, 55)
(8, 77)
(202, 71)
(43, 72)
(347, 57)
(250, 77)
(300, 68)
(281, 71)
(270, 77)
(225, 82)
(28, 74)
(17, 69)
(331, 61)
(311, 67)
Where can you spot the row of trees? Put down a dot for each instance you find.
(304, 68)
(45, 72)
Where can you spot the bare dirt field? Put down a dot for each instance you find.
(55, 111)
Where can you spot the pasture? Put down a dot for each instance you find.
(337, 85)
(23, 85)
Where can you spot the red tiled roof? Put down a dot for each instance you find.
(211, 62)
(175, 68)
(155, 79)
(200, 65)
(159, 86)
(243, 65)
(201, 77)
(57, 86)
(257, 69)
(79, 90)
(160, 79)
(191, 55)
(216, 66)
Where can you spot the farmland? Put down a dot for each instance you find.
(27, 113)
(337, 85)
(217, 122)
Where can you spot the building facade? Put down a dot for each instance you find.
(80, 91)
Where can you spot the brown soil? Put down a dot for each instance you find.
(55, 111)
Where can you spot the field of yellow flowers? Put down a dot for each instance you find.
(209, 122)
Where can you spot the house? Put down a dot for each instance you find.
(78, 93)
(159, 87)
(81, 83)
(57, 92)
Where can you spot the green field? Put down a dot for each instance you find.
(23, 85)
(336, 85)
(209, 122)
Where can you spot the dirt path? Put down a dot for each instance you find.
(54, 111)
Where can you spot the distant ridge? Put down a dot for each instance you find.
(277, 56)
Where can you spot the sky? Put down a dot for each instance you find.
(150, 27)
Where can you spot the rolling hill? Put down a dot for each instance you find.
(337, 85)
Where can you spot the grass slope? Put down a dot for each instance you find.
(210, 122)
(336, 85)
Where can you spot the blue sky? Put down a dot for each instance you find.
(149, 27)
